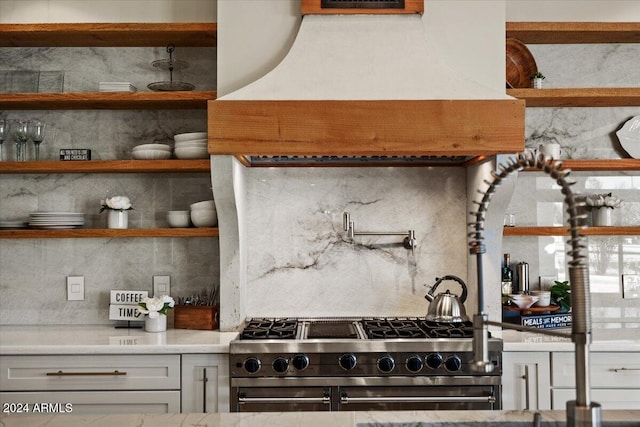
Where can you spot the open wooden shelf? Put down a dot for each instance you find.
(595, 165)
(109, 34)
(76, 233)
(106, 166)
(107, 100)
(574, 32)
(564, 231)
(579, 97)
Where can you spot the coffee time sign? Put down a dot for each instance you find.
(123, 305)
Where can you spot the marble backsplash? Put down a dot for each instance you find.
(33, 271)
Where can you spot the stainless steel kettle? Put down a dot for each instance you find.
(447, 307)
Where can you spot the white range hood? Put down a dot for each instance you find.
(364, 88)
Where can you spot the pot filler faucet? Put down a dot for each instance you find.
(580, 412)
(409, 242)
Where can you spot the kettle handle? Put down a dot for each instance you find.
(463, 295)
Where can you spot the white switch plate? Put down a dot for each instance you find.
(75, 288)
(161, 285)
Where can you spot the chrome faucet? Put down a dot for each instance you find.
(409, 242)
(580, 412)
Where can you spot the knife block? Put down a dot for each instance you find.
(202, 317)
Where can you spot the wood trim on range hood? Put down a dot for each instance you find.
(366, 128)
(315, 7)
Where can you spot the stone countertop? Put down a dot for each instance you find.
(316, 419)
(604, 338)
(104, 339)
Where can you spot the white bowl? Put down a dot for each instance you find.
(192, 153)
(525, 301)
(629, 137)
(191, 142)
(190, 145)
(179, 218)
(205, 204)
(189, 136)
(164, 147)
(544, 298)
(151, 155)
(204, 218)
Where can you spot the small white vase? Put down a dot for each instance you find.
(601, 217)
(536, 83)
(157, 324)
(118, 219)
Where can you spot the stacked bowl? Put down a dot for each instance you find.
(191, 145)
(203, 214)
(523, 300)
(179, 219)
(151, 152)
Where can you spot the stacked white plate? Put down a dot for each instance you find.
(13, 224)
(191, 145)
(56, 219)
(116, 87)
(151, 152)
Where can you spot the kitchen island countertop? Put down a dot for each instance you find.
(105, 339)
(315, 419)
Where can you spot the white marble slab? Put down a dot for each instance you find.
(102, 339)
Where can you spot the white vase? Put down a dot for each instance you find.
(156, 324)
(537, 83)
(601, 217)
(118, 219)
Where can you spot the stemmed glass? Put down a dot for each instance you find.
(20, 136)
(36, 133)
(4, 130)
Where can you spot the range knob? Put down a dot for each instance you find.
(434, 360)
(414, 363)
(300, 362)
(280, 365)
(453, 363)
(252, 365)
(386, 364)
(347, 361)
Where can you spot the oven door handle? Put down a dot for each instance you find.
(244, 400)
(345, 399)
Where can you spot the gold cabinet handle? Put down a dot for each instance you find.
(83, 374)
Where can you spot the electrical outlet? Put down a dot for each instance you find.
(75, 288)
(161, 285)
(630, 286)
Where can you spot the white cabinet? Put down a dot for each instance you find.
(205, 383)
(614, 378)
(93, 384)
(526, 381)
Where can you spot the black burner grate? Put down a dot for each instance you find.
(447, 330)
(261, 329)
(392, 328)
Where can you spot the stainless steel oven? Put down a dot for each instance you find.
(359, 364)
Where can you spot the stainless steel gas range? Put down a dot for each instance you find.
(349, 364)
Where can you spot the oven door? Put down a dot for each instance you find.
(401, 398)
(280, 399)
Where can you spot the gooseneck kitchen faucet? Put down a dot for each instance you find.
(580, 412)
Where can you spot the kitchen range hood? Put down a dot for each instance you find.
(362, 87)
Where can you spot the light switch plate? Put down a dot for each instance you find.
(630, 286)
(161, 285)
(75, 288)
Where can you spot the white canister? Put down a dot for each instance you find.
(118, 219)
(155, 324)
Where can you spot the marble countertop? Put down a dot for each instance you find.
(104, 339)
(315, 419)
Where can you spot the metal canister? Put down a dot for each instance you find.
(522, 269)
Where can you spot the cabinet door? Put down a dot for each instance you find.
(607, 398)
(96, 402)
(607, 370)
(205, 383)
(526, 381)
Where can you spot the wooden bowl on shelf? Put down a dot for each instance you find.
(521, 65)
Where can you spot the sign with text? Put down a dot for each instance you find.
(547, 321)
(124, 305)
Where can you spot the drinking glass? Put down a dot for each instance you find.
(36, 133)
(20, 137)
(4, 130)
